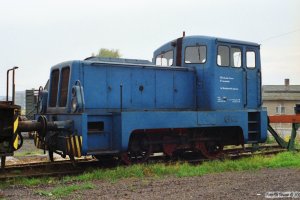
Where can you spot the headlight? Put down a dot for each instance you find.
(74, 104)
(77, 102)
(40, 105)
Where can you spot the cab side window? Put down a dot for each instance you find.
(229, 56)
(195, 54)
(223, 56)
(165, 59)
(236, 57)
(250, 59)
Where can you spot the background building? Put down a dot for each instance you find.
(280, 100)
(20, 100)
(31, 103)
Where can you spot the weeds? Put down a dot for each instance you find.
(29, 181)
(281, 160)
(286, 159)
(65, 190)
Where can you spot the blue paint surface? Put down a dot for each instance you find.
(127, 95)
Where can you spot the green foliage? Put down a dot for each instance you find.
(4, 184)
(271, 140)
(29, 181)
(65, 190)
(286, 160)
(108, 53)
(117, 173)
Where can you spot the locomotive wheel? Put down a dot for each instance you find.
(210, 149)
(139, 150)
(168, 147)
(139, 156)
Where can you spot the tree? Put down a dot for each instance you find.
(108, 53)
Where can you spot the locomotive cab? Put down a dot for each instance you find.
(228, 71)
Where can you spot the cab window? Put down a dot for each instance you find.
(64, 83)
(250, 59)
(195, 54)
(236, 57)
(229, 56)
(165, 59)
(223, 56)
(54, 87)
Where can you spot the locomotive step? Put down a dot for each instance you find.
(252, 142)
(98, 132)
(252, 132)
(253, 122)
(102, 152)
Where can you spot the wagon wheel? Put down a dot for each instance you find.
(50, 154)
(3, 159)
(72, 159)
(210, 149)
(139, 151)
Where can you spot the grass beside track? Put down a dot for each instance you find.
(66, 190)
(281, 160)
(68, 184)
(28, 153)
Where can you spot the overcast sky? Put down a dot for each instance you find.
(36, 35)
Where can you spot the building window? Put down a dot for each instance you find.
(280, 110)
(196, 54)
(165, 59)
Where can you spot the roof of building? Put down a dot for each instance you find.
(281, 92)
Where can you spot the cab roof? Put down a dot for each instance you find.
(208, 39)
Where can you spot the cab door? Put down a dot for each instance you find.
(229, 77)
(252, 72)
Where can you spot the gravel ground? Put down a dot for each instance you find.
(231, 185)
(28, 154)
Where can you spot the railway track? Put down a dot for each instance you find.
(67, 167)
(57, 168)
(238, 153)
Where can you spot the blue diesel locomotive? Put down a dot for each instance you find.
(198, 94)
